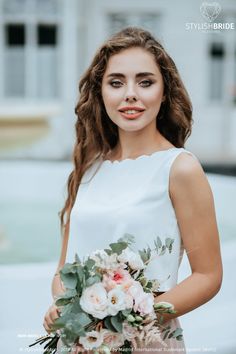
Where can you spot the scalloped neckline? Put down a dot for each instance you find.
(143, 156)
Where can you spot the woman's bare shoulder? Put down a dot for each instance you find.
(187, 175)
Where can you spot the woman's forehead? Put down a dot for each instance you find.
(132, 60)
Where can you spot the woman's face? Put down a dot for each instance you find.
(132, 89)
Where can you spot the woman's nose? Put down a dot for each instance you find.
(130, 94)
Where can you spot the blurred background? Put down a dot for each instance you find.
(45, 45)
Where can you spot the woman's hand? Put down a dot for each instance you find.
(51, 315)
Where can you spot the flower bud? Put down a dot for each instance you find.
(130, 318)
(162, 306)
(138, 318)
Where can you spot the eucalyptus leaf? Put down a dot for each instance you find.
(77, 259)
(149, 285)
(126, 312)
(80, 272)
(92, 280)
(69, 294)
(83, 319)
(89, 263)
(163, 250)
(177, 332)
(169, 243)
(108, 251)
(67, 308)
(61, 321)
(75, 306)
(108, 324)
(118, 247)
(145, 254)
(116, 323)
(69, 280)
(179, 337)
(63, 302)
(68, 268)
(158, 242)
(128, 238)
(69, 336)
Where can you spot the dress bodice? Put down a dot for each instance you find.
(130, 196)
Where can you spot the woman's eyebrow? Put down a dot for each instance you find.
(142, 74)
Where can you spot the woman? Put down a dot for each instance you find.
(132, 174)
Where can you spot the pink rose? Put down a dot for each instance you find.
(116, 277)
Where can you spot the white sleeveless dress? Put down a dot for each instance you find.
(130, 196)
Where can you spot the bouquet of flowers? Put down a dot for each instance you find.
(109, 303)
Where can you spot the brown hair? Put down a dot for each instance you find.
(96, 134)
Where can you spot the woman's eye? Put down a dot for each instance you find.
(146, 83)
(116, 83)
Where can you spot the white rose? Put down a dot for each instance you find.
(134, 260)
(113, 340)
(92, 340)
(129, 301)
(94, 300)
(144, 304)
(116, 301)
(103, 260)
(135, 290)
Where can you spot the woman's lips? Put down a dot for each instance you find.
(131, 115)
(131, 112)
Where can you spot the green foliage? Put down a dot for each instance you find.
(108, 251)
(160, 248)
(89, 264)
(145, 254)
(69, 280)
(117, 322)
(72, 326)
(128, 238)
(164, 307)
(177, 333)
(73, 306)
(126, 312)
(66, 297)
(74, 322)
(92, 280)
(169, 244)
(77, 259)
(108, 324)
(118, 247)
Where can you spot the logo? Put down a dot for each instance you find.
(210, 11)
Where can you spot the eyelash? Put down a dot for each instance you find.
(117, 84)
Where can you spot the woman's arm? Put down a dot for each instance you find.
(193, 202)
(57, 286)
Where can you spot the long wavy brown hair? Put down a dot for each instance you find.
(96, 134)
